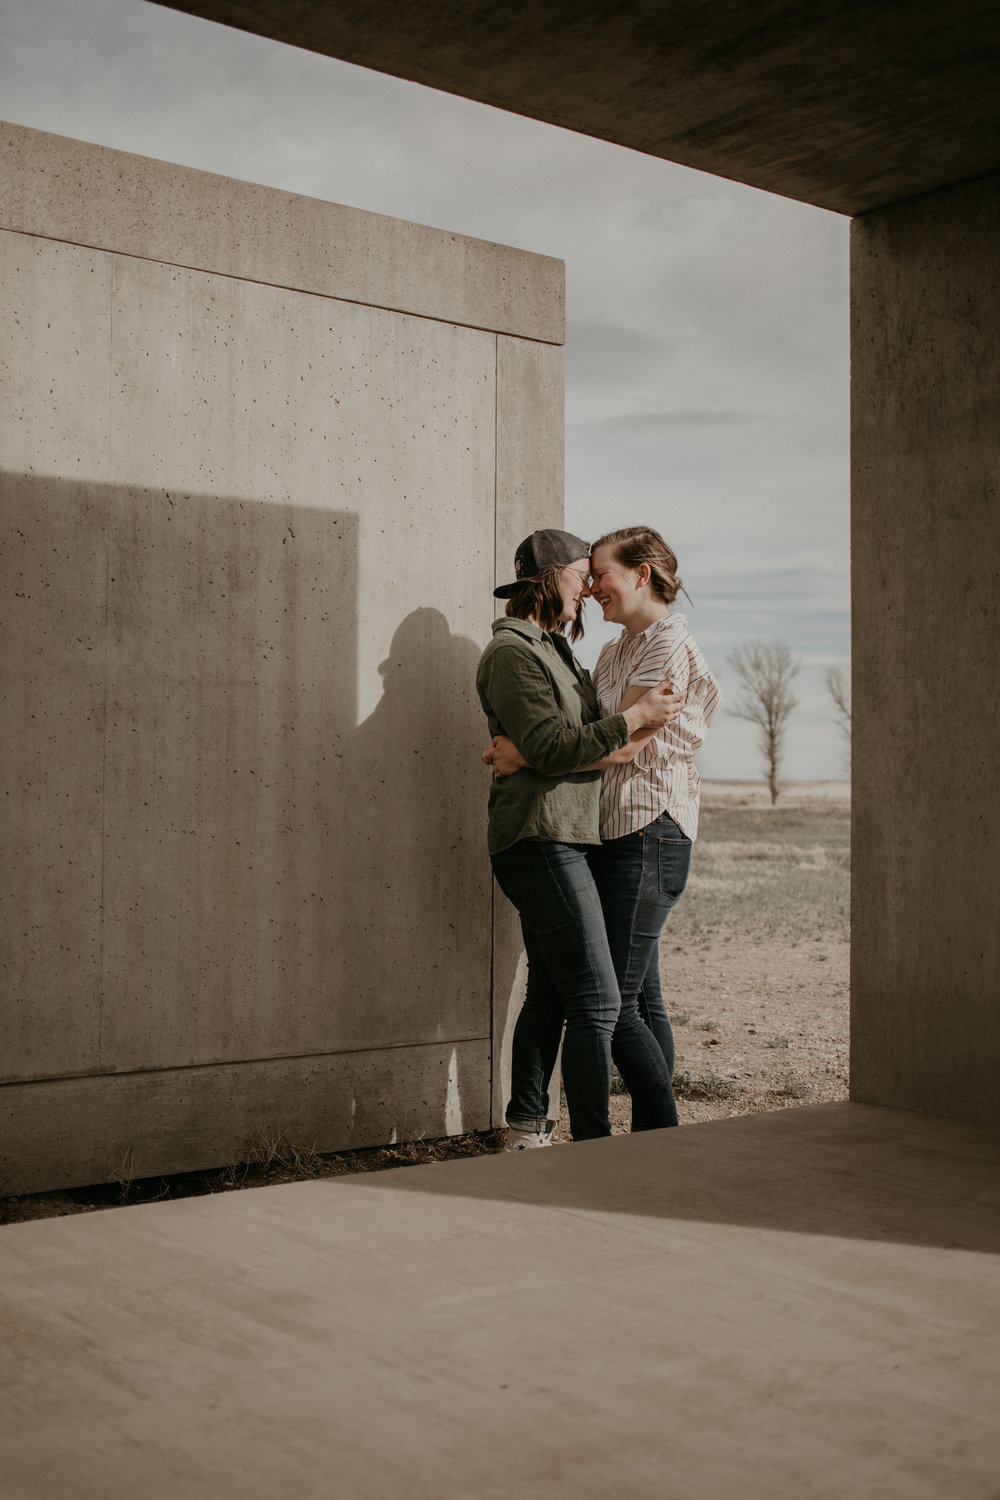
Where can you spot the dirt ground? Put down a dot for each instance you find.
(767, 1029)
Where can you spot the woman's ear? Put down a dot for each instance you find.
(644, 573)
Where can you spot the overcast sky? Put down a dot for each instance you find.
(706, 356)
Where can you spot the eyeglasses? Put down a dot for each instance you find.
(584, 577)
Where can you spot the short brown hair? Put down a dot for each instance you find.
(539, 599)
(635, 545)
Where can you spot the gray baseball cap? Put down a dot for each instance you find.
(538, 553)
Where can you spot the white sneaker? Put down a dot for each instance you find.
(527, 1140)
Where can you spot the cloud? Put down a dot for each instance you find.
(651, 423)
(606, 355)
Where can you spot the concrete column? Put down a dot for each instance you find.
(926, 560)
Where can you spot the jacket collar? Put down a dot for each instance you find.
(520, 627)
(558, 643)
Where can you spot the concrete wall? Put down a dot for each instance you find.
(926, 376)
(258, 454)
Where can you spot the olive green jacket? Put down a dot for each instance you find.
(534, 690)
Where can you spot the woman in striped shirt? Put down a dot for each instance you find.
(649, 803)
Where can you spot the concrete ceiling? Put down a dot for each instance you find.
(849, 104)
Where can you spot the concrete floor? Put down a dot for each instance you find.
(799, 1304)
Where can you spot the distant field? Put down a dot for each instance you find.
(765, 872)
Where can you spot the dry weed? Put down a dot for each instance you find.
(124, 1173)
(687, 1085)
(793, 1088)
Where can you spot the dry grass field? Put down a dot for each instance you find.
(754, 957)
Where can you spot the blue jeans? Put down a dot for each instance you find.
(571, 978)
(638, 878)
(654, 1012)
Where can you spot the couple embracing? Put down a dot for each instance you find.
(592, 813)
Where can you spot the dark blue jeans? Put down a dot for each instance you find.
(571, 979)
(638, 878)
(654, 1012)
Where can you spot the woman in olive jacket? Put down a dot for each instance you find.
(541, 824)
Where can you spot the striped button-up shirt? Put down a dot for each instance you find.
(663, 777)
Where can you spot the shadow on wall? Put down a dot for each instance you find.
(209, 862)
(421, 914)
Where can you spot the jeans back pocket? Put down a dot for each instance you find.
(673, 864)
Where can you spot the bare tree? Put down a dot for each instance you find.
(765, 670)
(838, 685)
